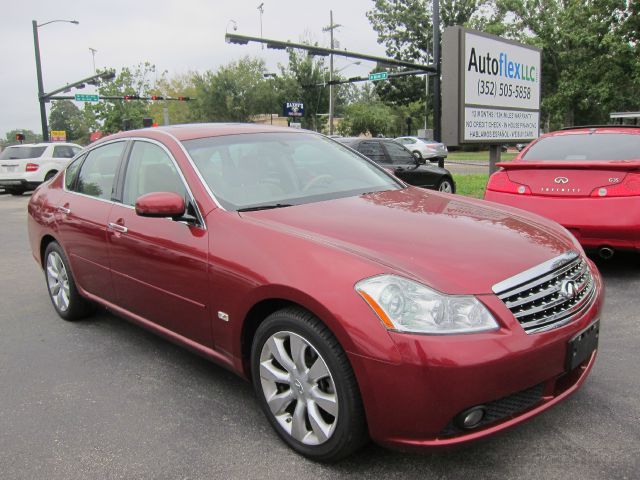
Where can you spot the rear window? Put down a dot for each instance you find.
(20, 153)
(585, 147)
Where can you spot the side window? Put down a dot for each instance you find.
(398, 154)
(150, 169)
(373, 150)
(63, 151)
(72, 172)
(99, 171)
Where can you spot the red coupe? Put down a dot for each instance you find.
(587, 179)
(359, 307)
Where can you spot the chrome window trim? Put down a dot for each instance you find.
(533, 273)
(199, 216)
(195, 169)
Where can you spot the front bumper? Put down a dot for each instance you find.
(595, 222)
(413, 404)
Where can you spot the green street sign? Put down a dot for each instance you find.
(378, 76)
(80, 97)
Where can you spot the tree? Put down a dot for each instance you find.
(590, 63)
(178, 86)
(29, 137)
(111, 114)
(374, 118)
(66, 116)
(235, 92)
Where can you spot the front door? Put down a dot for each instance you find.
(159, 265)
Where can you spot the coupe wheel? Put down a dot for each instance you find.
(446, 185)
(306, 387)
(62, 288)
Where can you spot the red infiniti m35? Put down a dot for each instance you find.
(587, 179)
(358, 307)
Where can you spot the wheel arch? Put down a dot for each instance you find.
(44, 243)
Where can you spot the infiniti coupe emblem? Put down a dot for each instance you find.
(299, 386)
(568, 289)
(561, 180)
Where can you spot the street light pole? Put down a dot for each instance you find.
(332, 26)
(43, 109)
(41, 97)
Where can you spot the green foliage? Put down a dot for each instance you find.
(374, 118)
(235, 92)
(66, 116)
(112, 114)
(29, 135)
(590, 62)
(178, 86)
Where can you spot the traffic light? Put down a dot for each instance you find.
(156, 97)
(20, 137)
(183, 99)
(147, 122)
(131, 97)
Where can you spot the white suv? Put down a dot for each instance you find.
(24, 167)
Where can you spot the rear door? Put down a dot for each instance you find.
(82, 216)
(159, 264)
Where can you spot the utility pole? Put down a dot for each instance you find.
(43, 108)
(93, 55)
(332, 26)
(261, 10)
(437, 105)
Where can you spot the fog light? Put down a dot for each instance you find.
(471, 418)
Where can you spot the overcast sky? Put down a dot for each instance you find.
(177, 36)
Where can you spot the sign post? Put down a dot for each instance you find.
(491, 90)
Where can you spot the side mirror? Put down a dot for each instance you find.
(160, 205)
(418, 158)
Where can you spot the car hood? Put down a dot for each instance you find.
(455, 245)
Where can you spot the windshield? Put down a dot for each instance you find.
(586, 147)
(280, 169)
(20, 153)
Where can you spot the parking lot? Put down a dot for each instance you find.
(105, 399)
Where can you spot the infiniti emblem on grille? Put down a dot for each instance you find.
(561, 180)
(568, 289)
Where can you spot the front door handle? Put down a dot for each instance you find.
(118, 228)
(64, 210)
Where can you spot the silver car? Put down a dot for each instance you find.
(427, 149)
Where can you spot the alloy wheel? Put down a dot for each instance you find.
(299, 388)
(445, 186)
(58, 281)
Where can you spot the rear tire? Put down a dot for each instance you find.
(64, 295)
(446, 185)
(306, 387)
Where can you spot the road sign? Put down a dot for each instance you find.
(81, 97)
(293, 109)
(374, 77)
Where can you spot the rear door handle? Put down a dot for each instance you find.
(118, 228)
(64, 210)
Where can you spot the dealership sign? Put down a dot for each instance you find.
(491, 89)
(292, 109)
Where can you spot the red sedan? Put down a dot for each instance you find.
(587, 179)
(359, 307)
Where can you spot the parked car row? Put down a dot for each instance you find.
(358, 306)
(24, 167)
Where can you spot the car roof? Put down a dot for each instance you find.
(628, 129)
(193, 131)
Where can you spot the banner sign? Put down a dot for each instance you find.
(292, 109)
(491, 89)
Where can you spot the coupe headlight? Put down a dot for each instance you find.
(407, 306)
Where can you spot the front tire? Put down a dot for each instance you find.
(64, 295)
(306, 387)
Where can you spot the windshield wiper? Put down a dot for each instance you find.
(264, 207)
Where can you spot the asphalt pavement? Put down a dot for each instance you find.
(104, 399)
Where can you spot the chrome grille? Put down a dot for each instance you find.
(549, 295)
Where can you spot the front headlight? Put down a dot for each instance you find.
(407, 306)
